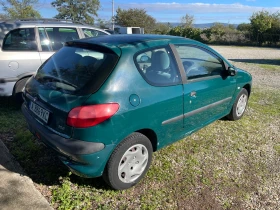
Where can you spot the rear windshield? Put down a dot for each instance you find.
(74, 69)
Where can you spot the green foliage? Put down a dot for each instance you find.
(103, 23)
(187, 21)
(263, 23)
(67, 198)
(188, 32)
(16, 9)
(162, 28)
(219, 29)
(245, 27)
(4, 16)
(77, 10)
(220, 33)
(25, 147)
(275, 25)
(135, 18)
(10, 115)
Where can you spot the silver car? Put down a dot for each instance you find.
(26, 44)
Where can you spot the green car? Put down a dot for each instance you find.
(105, 104)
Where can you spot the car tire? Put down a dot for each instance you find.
(129, 162)
(239, 106)
(17, 94)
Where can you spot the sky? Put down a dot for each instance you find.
(203, 11)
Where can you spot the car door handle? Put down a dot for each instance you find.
(193, 94)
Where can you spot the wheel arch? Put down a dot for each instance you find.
(151, 135)
(248, 88)
(18, 88)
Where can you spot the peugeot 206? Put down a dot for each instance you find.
(105, 104)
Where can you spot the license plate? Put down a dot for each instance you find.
(39, 112)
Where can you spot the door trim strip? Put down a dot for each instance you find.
(196, 111)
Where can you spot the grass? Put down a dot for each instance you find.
(10, 115)
(270, 67)
(222, 166)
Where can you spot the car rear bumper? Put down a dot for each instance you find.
(86, 159)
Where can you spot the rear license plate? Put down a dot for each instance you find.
(39, 112)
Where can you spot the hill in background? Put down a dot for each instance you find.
(204, 25)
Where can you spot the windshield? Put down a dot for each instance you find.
(73, 68)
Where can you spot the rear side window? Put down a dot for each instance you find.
(53, 38)
(22, 39)
(88, 32)
(158, 67)
(74, 69)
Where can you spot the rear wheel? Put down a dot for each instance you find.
(239, 105)
(129, 162)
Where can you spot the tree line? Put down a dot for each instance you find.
(264, 27)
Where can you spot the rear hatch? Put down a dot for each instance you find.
(65, 81)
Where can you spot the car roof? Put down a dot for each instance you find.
(123, 39)
(43, 21)
(8, 25)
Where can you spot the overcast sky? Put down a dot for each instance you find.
(204, 11)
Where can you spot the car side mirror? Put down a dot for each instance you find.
(231, 71)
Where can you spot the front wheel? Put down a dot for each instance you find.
(129, 162)
(239, 105)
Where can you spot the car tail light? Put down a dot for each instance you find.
(87, 116)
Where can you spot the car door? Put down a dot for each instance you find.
(208, 88)
(51, 39)
(19, 53)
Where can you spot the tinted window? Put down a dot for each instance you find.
(53, 38)
(199, 63)
(157, 66)
(72, 68)
(22, 39)
(92, 33)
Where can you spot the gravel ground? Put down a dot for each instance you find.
(251, 59)
(254, 60)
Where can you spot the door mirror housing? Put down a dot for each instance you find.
(231, 71)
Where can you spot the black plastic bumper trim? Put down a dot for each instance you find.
(63, 145)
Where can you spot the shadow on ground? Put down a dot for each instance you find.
(37, 161)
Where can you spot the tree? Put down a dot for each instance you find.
(103, 23)
(245, 27)
(3, 16)
(261, 22)
(275, 25)
(135, 17)
(187, 21)
(162, 28)
(16, 9)
(77, 10)
(188, 32)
